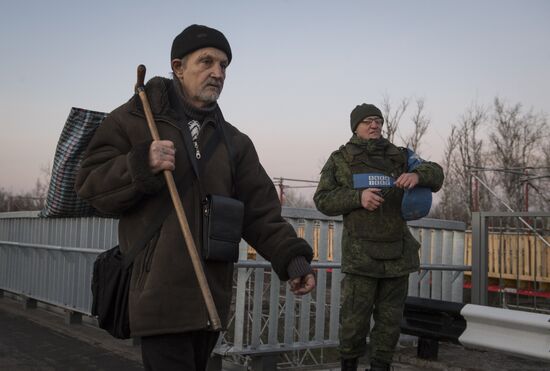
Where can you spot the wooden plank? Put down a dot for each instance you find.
(529, 247)
(515, 256)
(524, 243)
(498, 253)
(538, 259)
(546, 250)
(468, 249)
(331, 242)
(508, 255)
(490, 253)
(493, 253)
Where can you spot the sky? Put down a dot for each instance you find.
(298, 69)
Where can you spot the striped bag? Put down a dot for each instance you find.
(62, 200)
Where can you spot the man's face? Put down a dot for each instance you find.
(370, 128)
(202, 74)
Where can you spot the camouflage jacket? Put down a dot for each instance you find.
(374, 243)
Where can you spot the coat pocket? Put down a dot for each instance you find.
(144, 260)
(387, 250)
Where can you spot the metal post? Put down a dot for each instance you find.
(29, 303)
(73, 318)
(281, 191)
(476, 195)
(479, 259)
(526, 191)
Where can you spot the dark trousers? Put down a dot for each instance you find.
(187, 351)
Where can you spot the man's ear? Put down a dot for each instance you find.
(177, 67)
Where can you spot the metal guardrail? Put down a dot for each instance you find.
(51, 260)
(476, 326)
(507, 330)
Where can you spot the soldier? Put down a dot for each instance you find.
(378, 250)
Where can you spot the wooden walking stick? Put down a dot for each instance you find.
(195, 259)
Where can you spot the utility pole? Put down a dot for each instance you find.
(526, 190)
(279, 181)
(281, 191)
(474, 192)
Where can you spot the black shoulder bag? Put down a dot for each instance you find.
(111, 282)
(222, 216)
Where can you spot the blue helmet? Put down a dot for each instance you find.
(417, 201)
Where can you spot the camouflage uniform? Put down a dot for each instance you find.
(378, 250)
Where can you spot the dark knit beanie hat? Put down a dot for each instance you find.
(196, 37)
(362, 111)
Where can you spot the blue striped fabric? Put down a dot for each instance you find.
(62, 200)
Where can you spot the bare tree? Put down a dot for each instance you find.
(4, 200)
(19, 202)
(292, 198)
(420, 125)
(464, 155)
(27, 201)
(540, 182)
(392, 117)
(515, 138)
(448, 206)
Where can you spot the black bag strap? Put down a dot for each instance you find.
(220, 130)
(229, 145)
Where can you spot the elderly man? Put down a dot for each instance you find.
(121, 174)
(378, 251)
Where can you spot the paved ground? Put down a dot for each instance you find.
(37, 339)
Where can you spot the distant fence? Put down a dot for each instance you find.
(514, 251)
(516, 255)
(51, 260)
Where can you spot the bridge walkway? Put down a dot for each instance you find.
(39, 339)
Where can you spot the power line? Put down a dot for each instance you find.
(279, 181)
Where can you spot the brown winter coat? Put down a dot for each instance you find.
(115, 179)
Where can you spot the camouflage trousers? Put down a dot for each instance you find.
(384, 299)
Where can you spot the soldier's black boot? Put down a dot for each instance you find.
(376, 365)
(349, 364)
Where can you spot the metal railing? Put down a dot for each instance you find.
(51, 260)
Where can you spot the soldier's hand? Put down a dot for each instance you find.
(407, 180)
(302, 285)
(371, 199)
(162, 156)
